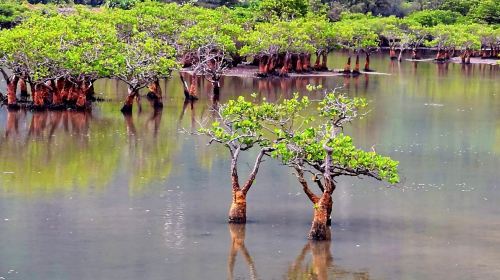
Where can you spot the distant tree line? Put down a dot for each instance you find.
(484, 10)
(60, 51)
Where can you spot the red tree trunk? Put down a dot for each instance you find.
(271, 64)
(39, 96)
(319, 228)
(367, 62)
(347, 67)
(356, 66)
(129, 100)
(286, 65)
(57, 98)
(262, 66)
(238, 210)
(81, 100)
(307, 62)
(392, 53)
(155, 94)
(193, 89)
(11, 92)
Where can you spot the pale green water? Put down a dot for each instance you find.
(100, 196)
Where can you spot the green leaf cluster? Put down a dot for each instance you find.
(297, 139)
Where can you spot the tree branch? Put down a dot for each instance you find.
(255, 169)
(300, 176)
(234, 168)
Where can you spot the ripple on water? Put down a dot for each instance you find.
(174, 226)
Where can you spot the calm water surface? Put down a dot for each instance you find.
(102, 196)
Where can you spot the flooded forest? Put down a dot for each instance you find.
(253, 140)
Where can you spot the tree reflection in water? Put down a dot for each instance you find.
(237, 232)
(54, 151)
(320, 266)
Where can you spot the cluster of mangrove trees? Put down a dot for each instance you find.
(59, 52)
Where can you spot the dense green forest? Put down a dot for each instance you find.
(480, 8)
(58, 51)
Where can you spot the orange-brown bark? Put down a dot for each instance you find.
(237, 212)
(392, 53)
(129, 100)
(367, 62)
(347, 67)
(11, 91)
(356, 65)
(307, 62)
(319, 228)
(193, 88)
(263, 65)
(286, 65)
(39, 95)
(155, 93)
(81, 89)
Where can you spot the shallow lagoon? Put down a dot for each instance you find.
(102, 196)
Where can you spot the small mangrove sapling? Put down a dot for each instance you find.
(239, 127)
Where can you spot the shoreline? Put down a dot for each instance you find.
(477, 60)
(250, 71)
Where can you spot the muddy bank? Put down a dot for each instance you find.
(250, 71)
(477, 60)
(473, 60)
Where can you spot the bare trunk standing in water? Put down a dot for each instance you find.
(11, 89)
(238, 210)
(392, 53)
(367, 63)
(356, 66)
(133, 94)
(323, 208)
(155, 94)
(347, 67)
